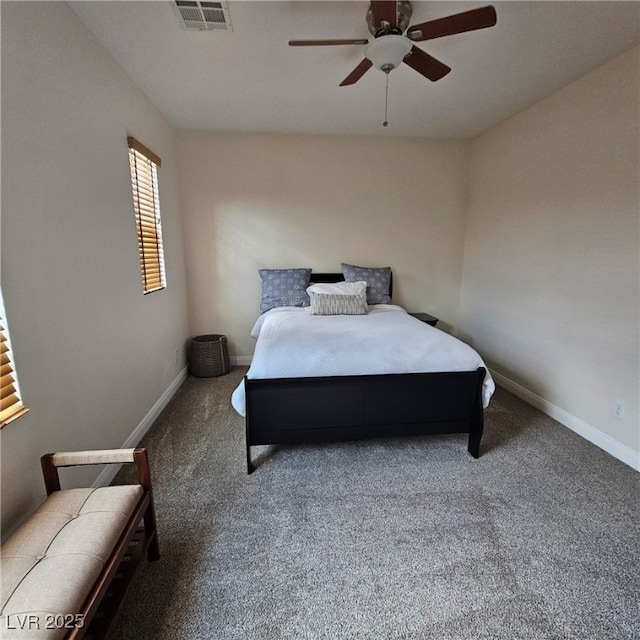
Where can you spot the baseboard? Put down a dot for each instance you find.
(243, 361)
(593, 435)
(110, 472)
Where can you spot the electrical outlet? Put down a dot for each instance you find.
(175, 355)
(618, 409)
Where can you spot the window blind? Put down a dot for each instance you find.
(11, 406)
(146, 204)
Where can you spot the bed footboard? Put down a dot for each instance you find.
(339, 408)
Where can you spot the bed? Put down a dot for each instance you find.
(336, 378)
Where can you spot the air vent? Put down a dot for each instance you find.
(197, 15)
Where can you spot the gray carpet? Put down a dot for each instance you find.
(404, 539)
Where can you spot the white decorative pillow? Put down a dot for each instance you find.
(338, 304)
(338, 288)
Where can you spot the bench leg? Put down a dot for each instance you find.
(153, 551)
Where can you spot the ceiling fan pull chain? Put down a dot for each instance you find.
(386, 102)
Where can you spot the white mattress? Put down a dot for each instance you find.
(292, 343)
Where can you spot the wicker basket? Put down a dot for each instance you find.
(209, 356)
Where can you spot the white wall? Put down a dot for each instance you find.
(254, 201)
(551, 285)
(93, 354)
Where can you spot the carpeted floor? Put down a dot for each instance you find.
(406, 539)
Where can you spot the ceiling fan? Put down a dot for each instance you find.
(387, 20)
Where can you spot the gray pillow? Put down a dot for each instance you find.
(378, 281)
(284, 288)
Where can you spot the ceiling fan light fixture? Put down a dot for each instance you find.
(387, 52)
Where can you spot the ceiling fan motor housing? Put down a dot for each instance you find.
(403, 16)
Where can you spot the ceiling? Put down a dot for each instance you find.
(249, 79)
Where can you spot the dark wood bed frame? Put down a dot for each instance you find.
(340, 408)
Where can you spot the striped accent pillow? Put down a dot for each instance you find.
(337, 304)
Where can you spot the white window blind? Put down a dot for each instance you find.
(144, 166)
(11, 406)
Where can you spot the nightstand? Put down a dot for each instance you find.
(425, 317)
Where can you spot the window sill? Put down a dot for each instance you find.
(12, 415)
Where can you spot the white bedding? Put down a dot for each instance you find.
(292, 343)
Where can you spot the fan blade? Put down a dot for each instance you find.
(425, 64)
(357, 73)
(385, 10)
(324, 43)
(459, 23)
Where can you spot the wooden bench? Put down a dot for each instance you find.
(66, 570)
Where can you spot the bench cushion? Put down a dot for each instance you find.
(50, 563)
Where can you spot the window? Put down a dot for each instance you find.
(144, 166)
(11, 406)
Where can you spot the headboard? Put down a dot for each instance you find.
(338, 277)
